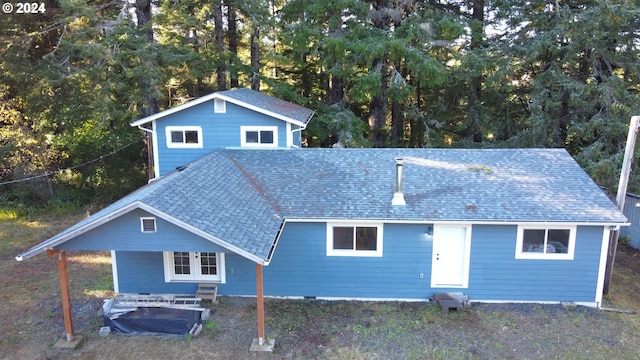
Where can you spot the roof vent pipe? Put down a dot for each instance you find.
(398, 197)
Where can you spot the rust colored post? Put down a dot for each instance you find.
(260, 305)
(64, 291)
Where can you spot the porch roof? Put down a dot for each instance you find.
(210, 197)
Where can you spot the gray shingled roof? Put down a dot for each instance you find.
(239, 198)
(210, 196)
(503, 185)
(269, 103)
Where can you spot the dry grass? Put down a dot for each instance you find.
(31, 320)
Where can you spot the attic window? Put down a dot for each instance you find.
(259, 136)
(148, 224)
(184, 136)
(219, 106)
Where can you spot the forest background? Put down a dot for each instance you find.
(378, 73)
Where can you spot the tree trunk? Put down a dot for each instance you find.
(336, 89)
(232, 40)
(378, 107)
(474, 109)
(255, 58)
(219, 39)
(149, 92)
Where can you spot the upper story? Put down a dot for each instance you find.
(241, 118)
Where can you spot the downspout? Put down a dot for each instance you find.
(300, 129)
(294, 130)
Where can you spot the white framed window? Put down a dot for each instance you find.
(354, 239)
(148, 224)
(184, 136)
(258, 136)
(548, 242)
(219, 106)
(194, 266)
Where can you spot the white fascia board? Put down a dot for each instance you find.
(202, 234)
(173, 110)
(54, 241)
(206, 98)
(260, 110)
(455, 222)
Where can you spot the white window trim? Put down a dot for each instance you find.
(170, 276)
(542, 256)
(243, 137)
(361, 253)
(155, 225)
(219, 106)
(172, 145)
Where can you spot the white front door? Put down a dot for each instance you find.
(450, 259)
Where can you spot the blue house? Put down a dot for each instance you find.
(499, 225)
(241, 118)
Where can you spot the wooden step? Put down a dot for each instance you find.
(448, 301)
(208, 292)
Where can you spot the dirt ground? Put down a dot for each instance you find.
(31, 320)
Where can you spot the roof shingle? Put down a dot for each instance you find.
(240, 197)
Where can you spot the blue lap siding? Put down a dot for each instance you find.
(219, 130)
(495, 273)
(124, 234)
(300, 266)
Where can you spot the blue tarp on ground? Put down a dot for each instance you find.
(154, 321)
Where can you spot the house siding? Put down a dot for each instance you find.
(124, 234)
(302, 246)
(148, 268)
(632, 212)
(219, 130)
(495, 273)
(300, 267)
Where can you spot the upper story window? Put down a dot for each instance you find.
(184, 136)
(259, 136)
(219, 106)
(354, 239)
(546, 242)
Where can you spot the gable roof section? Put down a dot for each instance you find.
(247, 98)
(239, 199)
(211, 198)
(479, 185)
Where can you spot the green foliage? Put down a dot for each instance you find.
(513, 73)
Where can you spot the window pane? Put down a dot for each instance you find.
(181, 263)
(366, 238)
(266, 137)
(533, 240)
(177, 137)
(558, 241)
(191, 137)
(251, 137)
(343, 238)
(208, 263)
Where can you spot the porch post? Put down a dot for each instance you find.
(260, 344)
(64, 291)
(260, 305)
